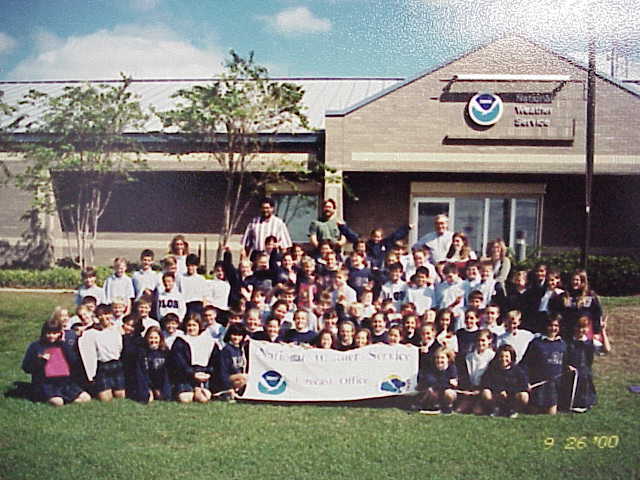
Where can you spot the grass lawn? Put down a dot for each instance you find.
(166, 440)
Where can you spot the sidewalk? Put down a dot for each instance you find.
(38, 290)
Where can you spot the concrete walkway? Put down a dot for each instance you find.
(38, 290)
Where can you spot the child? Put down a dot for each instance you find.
(300, 334)
(280, 310)
(545, 361)
(577, 301)
(472, 278)
(395, 289)
(152, 376)
(146, 280)
(191, 362)
(119, 284)
(83, 317)
(421, 259)
(379, 328)
(100, 350)
(487, 283)
(377, 246)
(359, 275)
(410, 334)
(193, 286)
(143, 309)
(362, 338)
(514, 336)
(330, 322)
(118, 309)
(450, 294)
(170, 300)
(420, 293)
(428, 345)
(438, 381)
(271, 332)
(489, 319)
(467, 336)
(89, 287)
(219, 288)
(49, 361)
(580, 352)
(394, 336)
(471, 368)
(252, 322)
(444, 327)
(232, 375)
(505, 384)
(346, 336)
(170, 329)
(551, 302)
(325, 340)
(366, 299)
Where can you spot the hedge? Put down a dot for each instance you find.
(609, 276)
(57, 277)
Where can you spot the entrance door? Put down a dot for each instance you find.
(423, 211)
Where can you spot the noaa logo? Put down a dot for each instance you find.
(272, 383)
(485, 108)
(393, 384)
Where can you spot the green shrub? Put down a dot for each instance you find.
(610, 276)
(58, 277)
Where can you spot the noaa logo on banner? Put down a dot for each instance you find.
(485, 108)
(272, 383)
(393, 384)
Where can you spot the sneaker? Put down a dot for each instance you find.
(447, 411)
(513, 414)
(578, 409)
(430, 411)
(495, 412)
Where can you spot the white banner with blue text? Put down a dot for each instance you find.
(280, 372)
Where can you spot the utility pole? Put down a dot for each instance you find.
(590, 142)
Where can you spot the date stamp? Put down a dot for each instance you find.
(581, 443)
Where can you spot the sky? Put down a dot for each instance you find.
(98, 39)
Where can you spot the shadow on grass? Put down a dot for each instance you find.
(20, 390)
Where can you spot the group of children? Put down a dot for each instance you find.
(485, 346)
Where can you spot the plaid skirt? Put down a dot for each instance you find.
(110, 376)
(62, 387)
(546, 395)
(182, 387)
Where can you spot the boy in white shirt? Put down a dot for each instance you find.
(395, 289)
(145, 280)
(420, 293)
(193, 286)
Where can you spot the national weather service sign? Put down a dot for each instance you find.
(290, 373)
(485, 109)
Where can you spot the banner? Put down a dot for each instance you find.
(290, 373)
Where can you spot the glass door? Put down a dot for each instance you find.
(424, 210)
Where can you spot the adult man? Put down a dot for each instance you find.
(438, 241)
(327, 227)
(263, 226)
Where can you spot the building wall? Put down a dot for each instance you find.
(419, 117)
(384, 201)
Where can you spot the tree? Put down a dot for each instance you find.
(81, 136)
(229, 119)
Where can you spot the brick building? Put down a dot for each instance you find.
(504, 164)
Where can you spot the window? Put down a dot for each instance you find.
(298, 206)
(483, 212)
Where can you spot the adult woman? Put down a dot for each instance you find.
(179, 248)
(501, 262)
(459, 251)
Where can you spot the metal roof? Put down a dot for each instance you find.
(321, 94)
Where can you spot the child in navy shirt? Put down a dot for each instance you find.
(505, 384)
(545, 361)
(438, 381)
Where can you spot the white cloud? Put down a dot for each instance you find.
(7, 43)
(137, 50)
(297, 20)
